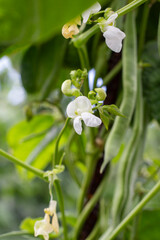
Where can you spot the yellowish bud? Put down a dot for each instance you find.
(70, 28)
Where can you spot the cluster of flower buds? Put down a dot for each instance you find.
(96, 95)
(81, 108)
(71, 87)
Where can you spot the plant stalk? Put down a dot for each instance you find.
(37, 172)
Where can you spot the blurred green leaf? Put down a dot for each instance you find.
(149, 225)
(23, 129)
(41, 65)
(28, 224)
(113, 109)
(104, 117)
(37, 150)
(29, 21)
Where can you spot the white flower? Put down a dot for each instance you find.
(94, 9)
(113, 35)
(49, 223)
(81, 109)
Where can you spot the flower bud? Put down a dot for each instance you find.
(101, 94)
(78, 77)
(92, 95)
(76, 92)
(108, 13)
(70, 28)
(66, 87)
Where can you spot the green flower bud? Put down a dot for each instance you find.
(76, 92)
(66, 87)
(92, 95)
(68, 91)
(78, 77)
(101, 94)
(93, 101)
(108, 13)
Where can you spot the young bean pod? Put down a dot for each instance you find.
(129, 62)
(127, 171)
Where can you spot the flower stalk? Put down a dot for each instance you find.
(37, 172)
(55, 159)
(84, 37)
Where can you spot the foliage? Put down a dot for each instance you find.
(104, 178)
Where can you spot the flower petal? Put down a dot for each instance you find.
(71, 109)
(83, 105)
(90, 120)
(113, 38)
(111, 19)
(55, 223)
(77, 125)
(86, 15)
(94, 9)
(43, 227)
(79, 105)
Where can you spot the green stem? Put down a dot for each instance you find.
(36, 171)
(61, 206)
(134, 212)
(112, 73)
(55, 159)
(83, 55)
(68, 160)
(84, 37)
(14, 234)
(91, 158)
(129, 7)
(88, 208)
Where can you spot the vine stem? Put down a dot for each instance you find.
(61, 205)
(84, 37)
(112, 73)
(129, 7)
(90, 166)
(57, 141)
(88, 208)
(83, 56)
(37, 172)
(134, 212)
(14, 234)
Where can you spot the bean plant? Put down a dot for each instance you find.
(91, 73)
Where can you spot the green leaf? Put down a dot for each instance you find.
(149, 225)
(41, 65)
(39, 148)
(104, 117)
(29, 21)
(113, 109)
(28, 224)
